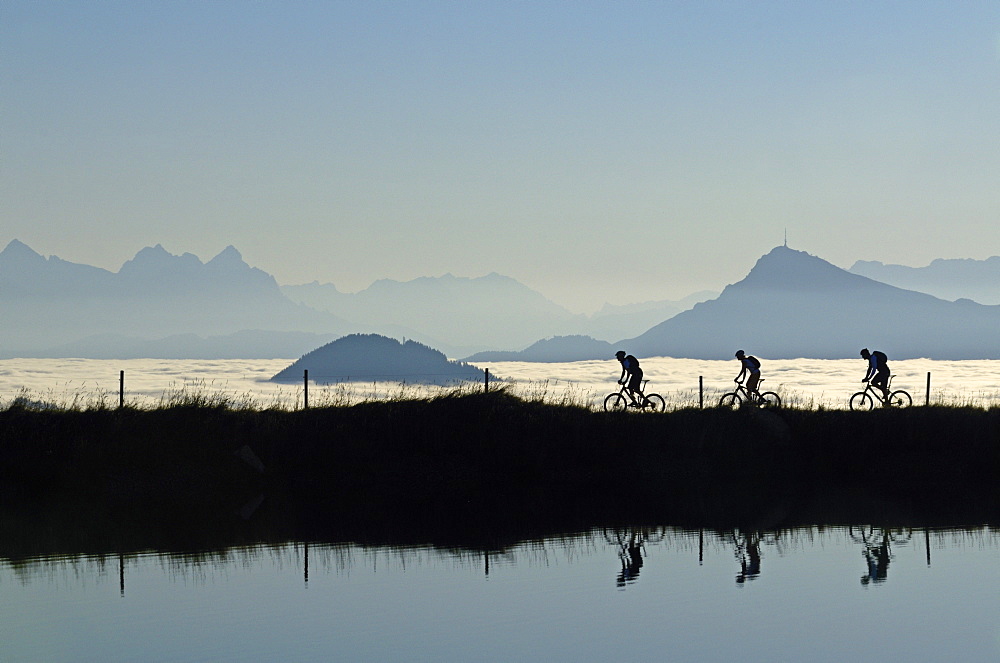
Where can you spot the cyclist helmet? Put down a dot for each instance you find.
(620, 354)
(865, 353)
(739, 354)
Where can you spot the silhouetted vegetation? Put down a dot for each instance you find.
(475, 467)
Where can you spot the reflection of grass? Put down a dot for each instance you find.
(462, 458)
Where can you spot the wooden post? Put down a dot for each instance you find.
(701, 392)
(305, 389)
(487, 387)
(121, 389)
(927, 401)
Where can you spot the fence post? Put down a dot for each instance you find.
(121, 389)
(927, 401)
(487, 384)
(701, 392)
(305, 389)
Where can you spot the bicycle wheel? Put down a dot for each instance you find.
(655, 403)
(900, 399)
(615, 402)
(770, 400)
(862, 401)
(731, 400)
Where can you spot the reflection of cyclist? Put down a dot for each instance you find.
(748, 552)
(877, 558)
(631, 558)
(750, 366)
(630, 370)
(877, 555)
(878, 370)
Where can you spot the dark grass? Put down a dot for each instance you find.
(484, 468)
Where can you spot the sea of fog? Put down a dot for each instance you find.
(801, 382)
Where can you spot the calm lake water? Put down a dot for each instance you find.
(659, 593)
(804, 382)
(828, 593)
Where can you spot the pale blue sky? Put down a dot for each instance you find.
(596, 151)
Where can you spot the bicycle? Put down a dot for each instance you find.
(863, 400)
(619, 400)
(734, 399)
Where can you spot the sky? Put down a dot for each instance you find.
(595, 151)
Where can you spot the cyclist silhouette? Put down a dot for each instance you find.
(630, 370)
(878, 370)
(750, 366)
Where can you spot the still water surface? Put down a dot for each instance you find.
(808, 594)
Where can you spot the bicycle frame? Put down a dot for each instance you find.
(638, 399)
(758, 398)
(877, 393)
(746, 395)
(898, 398)
(638, 395)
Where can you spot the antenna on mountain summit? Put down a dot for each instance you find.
(786, 238)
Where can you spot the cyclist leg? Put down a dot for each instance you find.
(753, 381)
(635, 387)
(881, 380)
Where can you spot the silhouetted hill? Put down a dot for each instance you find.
(793, 304)
(978, 280)
(49, 303)
(557, 349)
(371, 357)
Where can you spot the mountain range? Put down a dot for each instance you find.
(464, 315)
(52, 306)
(790, 304)
(793, 304)
(951, 279)
(161, 305)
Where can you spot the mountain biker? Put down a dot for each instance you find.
(878, 370)
(631, 370)
(750, 368)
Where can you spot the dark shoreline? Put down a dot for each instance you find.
(482, 470)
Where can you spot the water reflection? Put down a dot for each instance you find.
(747, 554)
(630, 544)
(539, 598)
(877, 549)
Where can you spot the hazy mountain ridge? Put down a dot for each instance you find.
(467, 314)
(49, 302)
(947, 278)
(556, 349)
(171, 306)
(463, 314)
(793, 304)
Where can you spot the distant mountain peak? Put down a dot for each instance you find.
(156, 259)
(18, 251)
(228, 256)
(783, 268)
